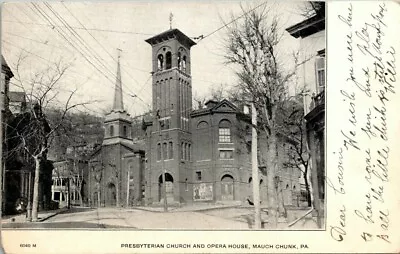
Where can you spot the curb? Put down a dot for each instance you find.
(188, 210)
(52, 215)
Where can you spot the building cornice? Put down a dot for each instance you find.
(307, 27)
(171, 34)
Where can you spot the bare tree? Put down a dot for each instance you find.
(252, 46)
(298, 156)
(35, 131)
(98, 175)
(117, 179)
(313, 8)
(216, 93)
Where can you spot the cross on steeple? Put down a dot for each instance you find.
(171, 16)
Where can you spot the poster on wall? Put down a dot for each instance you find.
(203, 192)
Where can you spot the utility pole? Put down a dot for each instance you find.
(29, 207)
(127, 188)
(90, 184)
(254, 167)
(162, 158)
(3, 170)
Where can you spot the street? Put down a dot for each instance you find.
(234, 218)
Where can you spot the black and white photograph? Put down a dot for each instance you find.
(163, 115)
(199, 126)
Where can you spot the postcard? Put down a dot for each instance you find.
(199, 127)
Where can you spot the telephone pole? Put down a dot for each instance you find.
(128, 188)
(254, 167)
(162, 159)
(2, 108)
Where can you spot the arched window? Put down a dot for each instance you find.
(184, 63)
(160, 62)
(189, 152)
(168, 60)
(171, 150)
(125, 132)
(158, 151)
(111, 130)
(179, 61)
(165, 151)
(183, 151)
(224, 131)
(202, 125)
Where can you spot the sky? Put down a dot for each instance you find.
(77, 33)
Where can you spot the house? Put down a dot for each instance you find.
(18, 170)
(69, 187)
(311, 33)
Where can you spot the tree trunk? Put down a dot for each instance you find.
(80, 194)
(98, 198)
(307, 188)
(117, 193)
(35, 200)
(271, 173)
(255, 176)
(281, 201)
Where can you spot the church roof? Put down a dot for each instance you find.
(118, 104)
(169, 34)
(118, 112)
(128, 143)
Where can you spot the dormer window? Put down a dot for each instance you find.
(160, 62)
(168, 60)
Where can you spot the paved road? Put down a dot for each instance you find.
(135, 218)
(222, 218)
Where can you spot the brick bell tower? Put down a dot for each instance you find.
(170, 138)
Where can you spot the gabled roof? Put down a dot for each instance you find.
(223, 106)
(135, 147)
(16, 96)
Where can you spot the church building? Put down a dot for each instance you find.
(115, 169)
(202, 155)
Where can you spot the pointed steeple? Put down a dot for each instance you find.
(118, 105)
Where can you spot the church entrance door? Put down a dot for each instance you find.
(227, 188)
(111, 197)
(169, 187)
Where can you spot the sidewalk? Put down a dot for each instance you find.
(187, 208)
(42, 216)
